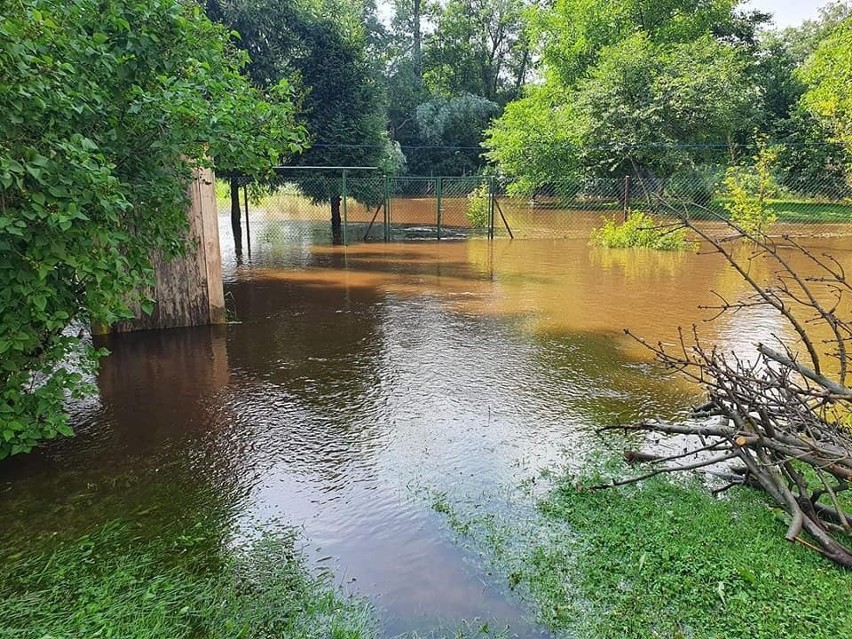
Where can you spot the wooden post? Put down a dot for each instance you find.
(626, 198)
(188, 290)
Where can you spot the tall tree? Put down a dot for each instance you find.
(404, 69)
(626, 86)
(569, 34)
(828, 74)
(451, 130)
(477, 47)
(324, 44)
(802, 41)
(452, 59)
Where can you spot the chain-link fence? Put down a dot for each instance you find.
(573, 208)
(336, 205)
(325, 206)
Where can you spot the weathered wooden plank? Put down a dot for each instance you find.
(189, 290)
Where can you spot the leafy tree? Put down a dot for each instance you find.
(107, 105)
(324, 44)
(808, 163)
(778, 58)
(802, 41)
(828, 73)
(642, 108)
(478, 47)
(571, 33)
(403, 58)
(446, 54)
(749, 188)
(452, 129)
(773, 71)
(535, 140)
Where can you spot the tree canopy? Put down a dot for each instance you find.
(325, 45)
(660, 87)
(828, 73)
(642, 106)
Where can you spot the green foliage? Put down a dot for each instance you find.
(642, 107)
(478, 47)
(107, 107)
(324, 44)
(695, 184)
(473, 59)
(453, 129)
(181, 584)
(802, 40)
(828, 74)
(748, 189)
(535, 140)
(807, 164)
(640, 230)
(572, 33)
(479, 206)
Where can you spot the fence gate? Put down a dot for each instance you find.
(344, 205)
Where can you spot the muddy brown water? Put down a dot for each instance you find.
(352, 384)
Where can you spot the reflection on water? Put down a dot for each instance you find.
(350, 377)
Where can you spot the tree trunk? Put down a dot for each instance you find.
(336, 225)
(235, 217)
(418, 56)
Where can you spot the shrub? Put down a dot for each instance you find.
(479, 207)
(639, 231)
(107, 105)
(747, 190)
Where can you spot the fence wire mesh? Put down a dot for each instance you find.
(573, 208)
(298, 206)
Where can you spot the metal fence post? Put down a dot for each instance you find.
(387, 208)
(345, 217)
(491, 208)
(438, 187)
(248, 227)
(235, 216)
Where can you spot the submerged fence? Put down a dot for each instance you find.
(347, 205)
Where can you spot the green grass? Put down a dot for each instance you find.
(663, 560)
(114, 583)
(795, 211)
(811, 212)
(791, 211)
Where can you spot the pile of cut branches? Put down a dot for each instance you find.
(780, 420)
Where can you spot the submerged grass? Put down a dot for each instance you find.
(114, 583)
(664, 559)
(120, 581)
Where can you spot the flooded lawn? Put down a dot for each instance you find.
(352, 385)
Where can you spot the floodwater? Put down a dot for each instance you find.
(352, 384)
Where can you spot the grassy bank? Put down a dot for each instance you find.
(663, 560)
